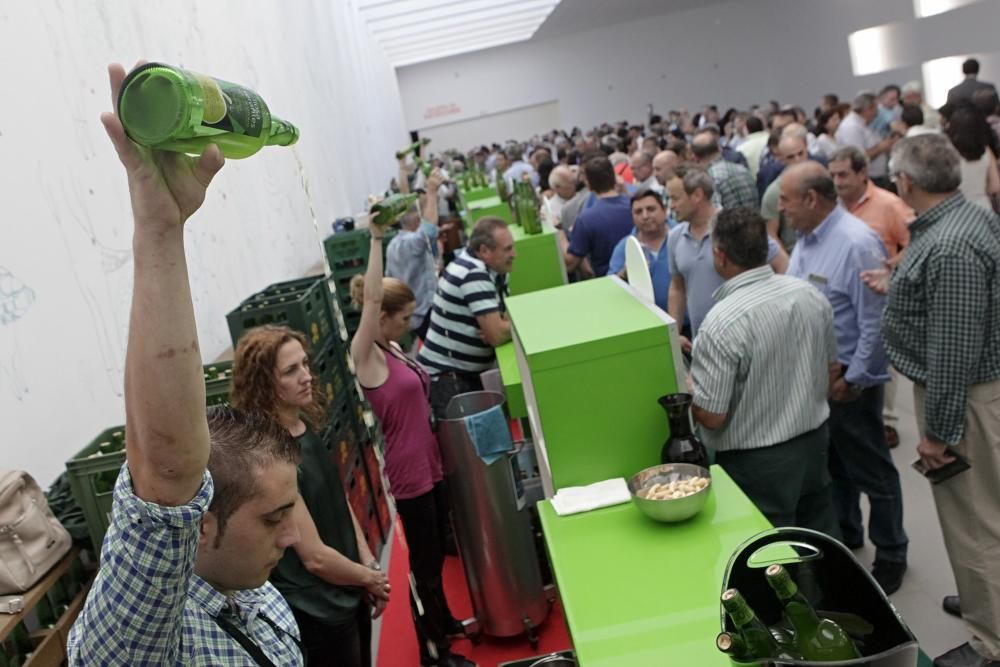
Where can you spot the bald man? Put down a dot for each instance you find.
(664, 164)
(833, 249)
(642, 172)
(792, 150)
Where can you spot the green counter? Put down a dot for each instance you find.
(511, 377)
(636, 592)
(539, 264)
(488, 206)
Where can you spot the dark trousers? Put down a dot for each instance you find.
(860, 462)
(788, 482)
(346, 644)
(423, 517)
(445, 386)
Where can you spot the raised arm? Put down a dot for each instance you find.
(368, 363)
(430, 211)
(166, 430)
(404, 176)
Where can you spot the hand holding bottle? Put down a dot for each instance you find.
(165, 188)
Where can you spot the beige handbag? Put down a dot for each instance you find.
(32, 540)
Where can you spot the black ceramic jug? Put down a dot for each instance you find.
(683, 446)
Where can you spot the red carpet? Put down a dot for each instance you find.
(398, 641)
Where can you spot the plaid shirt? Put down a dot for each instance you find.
(942, 323)
(148, 607)
(734, 186)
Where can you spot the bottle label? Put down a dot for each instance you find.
(231, 107)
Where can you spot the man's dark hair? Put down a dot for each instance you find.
(655, 118)
(483, 234)
(970, 66)
(754, 124)
(243, 447)
(912, 115)
(647, 193)
(741, 233)
(831, 99)
(889, 87)
(600, 174)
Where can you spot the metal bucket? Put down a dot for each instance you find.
(492, 526)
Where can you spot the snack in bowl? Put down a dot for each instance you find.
(671, 492)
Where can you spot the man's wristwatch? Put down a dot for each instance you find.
(855, 389)
(375, 565)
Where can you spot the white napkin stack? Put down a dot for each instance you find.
(575, 499)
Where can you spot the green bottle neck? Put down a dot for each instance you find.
(283, 133)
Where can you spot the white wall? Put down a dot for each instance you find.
(536, 119)
(731, 54)
(65, 255)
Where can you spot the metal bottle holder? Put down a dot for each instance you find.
(832, 579)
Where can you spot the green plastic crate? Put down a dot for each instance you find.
(218, 381)
(347, 252)
(92, 473)
(305, 309)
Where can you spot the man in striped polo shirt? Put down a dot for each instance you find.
(761, 401)
(468, 317)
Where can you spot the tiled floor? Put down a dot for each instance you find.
(929, 577)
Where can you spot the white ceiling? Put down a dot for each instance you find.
(414, 31)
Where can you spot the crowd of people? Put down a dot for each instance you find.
(808, 260)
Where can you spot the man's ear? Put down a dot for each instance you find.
(209, 529)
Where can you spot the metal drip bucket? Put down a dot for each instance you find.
(492, 526)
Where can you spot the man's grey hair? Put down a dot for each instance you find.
(912, 87)
(562, 175)
(483, 234)
(864, 100)
(643, 157)
(795, 131)
(930, 161)
(694, 177)
(514, 152)
(856, 156)
(618, 158)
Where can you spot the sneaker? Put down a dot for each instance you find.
(889, 574)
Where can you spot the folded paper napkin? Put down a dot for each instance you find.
(575, 499)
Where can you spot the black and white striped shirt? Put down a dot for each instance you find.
(466, 289)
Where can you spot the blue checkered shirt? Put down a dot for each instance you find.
(148, 607)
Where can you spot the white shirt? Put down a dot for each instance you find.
(853, 131)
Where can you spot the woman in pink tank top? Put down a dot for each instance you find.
(398, 390)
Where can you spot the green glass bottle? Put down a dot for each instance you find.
(759, 644)
(177, 110)
(412, 148)
(390, 209)
(816, 638)
(423, 167)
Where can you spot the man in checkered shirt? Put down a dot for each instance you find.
(202, 508)
(942, 330)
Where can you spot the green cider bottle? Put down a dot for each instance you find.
(755, 639)
(412, 148)
(390, 209)
(173, 109)
(816, 638)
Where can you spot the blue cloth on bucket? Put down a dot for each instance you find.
(489, 433)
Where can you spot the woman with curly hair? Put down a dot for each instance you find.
(399, 392)
(329, 575)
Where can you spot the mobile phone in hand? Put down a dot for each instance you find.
(958, 465)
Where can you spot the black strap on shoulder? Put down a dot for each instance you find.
(225, 620)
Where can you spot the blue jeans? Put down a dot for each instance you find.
(860, 463)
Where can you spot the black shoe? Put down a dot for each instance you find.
(889, 574)
(952, 604)
(454, 628)
(452, 660)
(964, 656)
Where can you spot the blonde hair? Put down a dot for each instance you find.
(395, 294)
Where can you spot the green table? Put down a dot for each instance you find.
(637, 592)
(489, 206)
(511, 377)
(539, 264)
